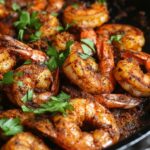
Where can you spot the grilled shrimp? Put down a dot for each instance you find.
(83, 17)
(36, 79)
(117, 101)
(60, 40)
(25, 141)
(3, 11)
(17, 47)
(7, 61)
(67, 132)
(49, 26)
(55, 5)
(38, 5)
(108, 100)
(132, 37)
(10, 47)
(87, 74)
(130, 76)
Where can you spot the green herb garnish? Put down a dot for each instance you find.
(61, 28)
(101, 1)
(27, 62)
(2, 1)
(10, 126)
(19, 74)
(28, 96)
(75, 5)
(57, 59)
(36, 36)
(8, 78)
(16, 7)
(88, 48)
(54, 14)
(55, 104)
(115, 38)
(26, 22)
(20, 83)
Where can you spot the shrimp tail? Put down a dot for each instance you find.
(117, 101)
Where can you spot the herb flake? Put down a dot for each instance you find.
(28, 96)
(55, 104)
(10, 126)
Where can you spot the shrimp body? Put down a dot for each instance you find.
(49, 26)
(33, 77)
(132, 37)
(55, 5)
(38, 5)
(60, 40)
(25, 141)
(117, 101)
(7, 61)
(83, 17)
(87, 74)
(26, 52)
(67, 131)
(3, 11)
(130, 76)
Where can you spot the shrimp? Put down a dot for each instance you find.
(16, 113)
(49, 26)
(87, 74)
(3, 11)
(7, 61)
(132, 37)
(38, 5)
(7, 29)
(117, 101)
(25, 141)
(67, 131)
(55, 5)
(10, 47)
(17, 47)
(108, 100)
(60, 40)
(35, 78)
(130, 76)
(91, 17)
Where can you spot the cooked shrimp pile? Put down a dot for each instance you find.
(48, 44)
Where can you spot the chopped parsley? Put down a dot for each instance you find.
(88, 48)
(27, 62)
(56, 104)
(101, 1)
(57, 59)
(20, 83)
(8, 78)
(75, 5)
(115, 38)
(16, 7)
(28, 96)
(26, 22)
(54, 14)
(36, 36)
(61, 28)
(10, 126)
(19, 74)
(2, 1)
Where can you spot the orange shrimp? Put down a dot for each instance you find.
(86, 73)
(130, 76)
(132, 38)
(91, 17)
